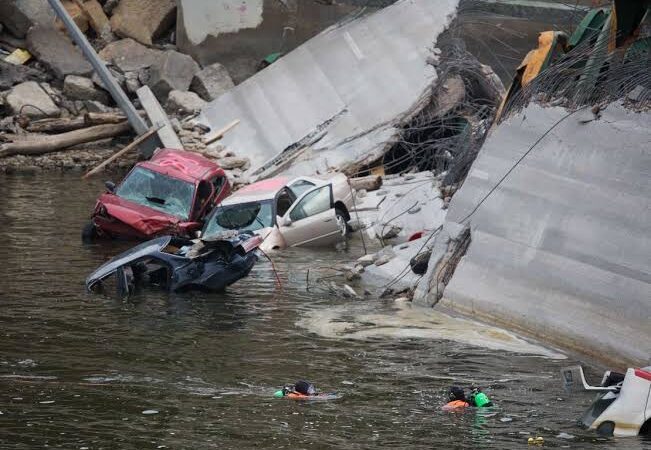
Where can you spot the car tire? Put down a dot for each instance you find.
(606, 428)
(342, 222)
(88, 233)
(645, 430)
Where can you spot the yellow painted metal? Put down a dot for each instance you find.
(535, 60)
(18, 57)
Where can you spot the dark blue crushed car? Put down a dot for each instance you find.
(178, 264)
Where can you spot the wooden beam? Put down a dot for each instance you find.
(220, 134)
(116, 155)
(57, 142)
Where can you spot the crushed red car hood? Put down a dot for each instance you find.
(142, 218)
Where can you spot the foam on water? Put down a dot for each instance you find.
(408, 322)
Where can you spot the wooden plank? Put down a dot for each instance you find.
(220, 134)
(116, 155)
(64, 124)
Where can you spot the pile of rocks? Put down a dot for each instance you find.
(192, 136)
(136, 40)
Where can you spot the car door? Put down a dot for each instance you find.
(311, 220)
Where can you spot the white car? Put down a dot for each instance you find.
(304, 211)
(623, 403)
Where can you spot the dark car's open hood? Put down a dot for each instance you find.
(212, 263)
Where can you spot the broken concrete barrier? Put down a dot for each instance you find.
(31, 100)
(129, 55)
(184, 102)
(19, 15)
(81, 88)
(143, 20)
(212, 81)
(57, 52)
(172, 71)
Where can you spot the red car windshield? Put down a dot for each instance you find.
(158, 191)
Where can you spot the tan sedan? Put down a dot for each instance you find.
(305, 211)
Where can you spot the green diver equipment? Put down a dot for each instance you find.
(481, 400)
(279, 394)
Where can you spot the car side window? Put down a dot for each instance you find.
(315, 202)
(218, 183)
(301, 186)
(203, 195)
(284, 202)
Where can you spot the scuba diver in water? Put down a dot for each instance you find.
(457, 399)
(299, 389)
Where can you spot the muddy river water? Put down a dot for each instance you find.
(198, 371)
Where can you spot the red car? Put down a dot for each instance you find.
(168, 195)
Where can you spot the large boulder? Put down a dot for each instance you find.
(19, 15)
(172, 71)
(29, 99)
(212, 81)
(184, 102)
(81, 88)
(57, 52)
(129, 55)
(143, 20)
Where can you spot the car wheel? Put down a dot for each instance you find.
(88, 233)
(341, 221)
(606, 428)
(646, 428)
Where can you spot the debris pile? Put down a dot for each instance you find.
(446, 129)
(43, 74)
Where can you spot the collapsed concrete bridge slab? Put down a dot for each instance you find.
(561, 249)
(350, 83)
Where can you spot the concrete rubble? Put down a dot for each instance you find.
(30, 100)
(137, 40)
(56, 51)
(212, 81)
(404, 205)
(143, 20)
(11, 74)
(181, 102)
(81, 88)
(129, 55)
(19, 15)
(172, 71)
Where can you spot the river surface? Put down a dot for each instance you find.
(198, 371)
